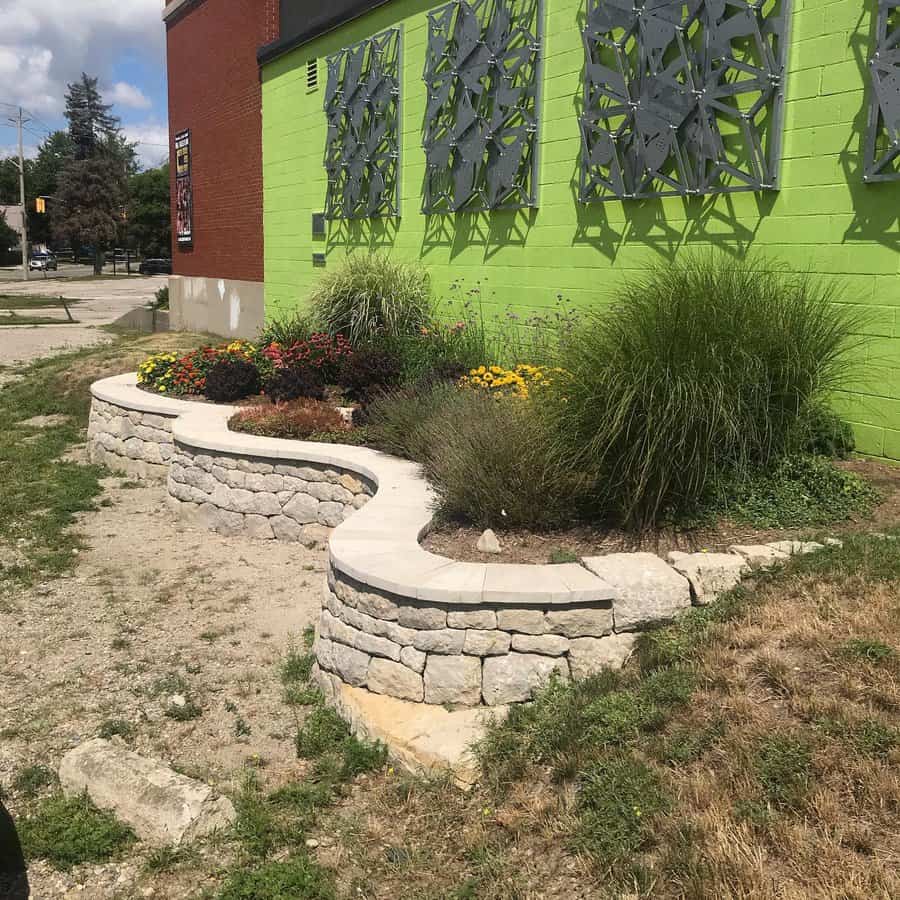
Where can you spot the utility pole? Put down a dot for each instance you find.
(19, 123)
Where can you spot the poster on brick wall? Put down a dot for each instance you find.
(184, 197)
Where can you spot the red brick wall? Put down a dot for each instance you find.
(214, 90)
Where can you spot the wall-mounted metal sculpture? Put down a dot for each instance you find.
(480, 130)
(362, 106)
(882, 150)
(682, 97)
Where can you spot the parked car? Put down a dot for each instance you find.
(42, 262)
(156, 267)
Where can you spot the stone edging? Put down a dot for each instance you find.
(396, 619)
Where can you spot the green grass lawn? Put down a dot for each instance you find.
(12, 318)
(15, 302)
(41, 492)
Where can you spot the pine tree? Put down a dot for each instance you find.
(92, 190)
(91, 124)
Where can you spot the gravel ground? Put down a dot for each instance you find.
(154, 609)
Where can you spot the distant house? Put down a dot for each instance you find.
(14, 216)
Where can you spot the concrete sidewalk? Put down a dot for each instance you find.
(104, 301)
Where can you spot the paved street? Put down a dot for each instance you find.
(103, 302)
(65, 271)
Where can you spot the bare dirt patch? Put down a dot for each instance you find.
(522, 546)
(155, 611)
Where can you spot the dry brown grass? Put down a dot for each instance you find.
(784, 674)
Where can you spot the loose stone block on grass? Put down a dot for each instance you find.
(762, 556)
(710, 574)
(161, 806)
(647, 589)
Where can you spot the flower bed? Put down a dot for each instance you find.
(396, 619)
(700, 399)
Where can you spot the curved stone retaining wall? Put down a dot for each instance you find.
(263, 498)
(454, 654)
(129, 440)
(396, 619)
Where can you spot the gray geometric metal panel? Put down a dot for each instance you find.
(882, 150)
(682, 97)
(362, 106)
(480, 130)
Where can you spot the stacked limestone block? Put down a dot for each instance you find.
(456, 654)
(129, 441)
(265, 499)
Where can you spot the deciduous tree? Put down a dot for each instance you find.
(149, 222)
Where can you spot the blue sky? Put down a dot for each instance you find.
(44, 44)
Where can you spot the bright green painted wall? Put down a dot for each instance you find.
(823, 219)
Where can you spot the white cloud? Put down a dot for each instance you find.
(152, 139)
(12, 150)
(45, 45)
(124, 94)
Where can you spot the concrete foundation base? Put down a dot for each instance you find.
(217, 305)
(423, 738)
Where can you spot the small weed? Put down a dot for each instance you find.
(120, 643)
(165, 859)
(302, 695)
(294, 879)
(255, 825)
(774, 674)
(241, 728)
(172, 683)
(183, 712)
(619, 795)
(302, 800)
(296, 666)
(323, 731)
(69, 831)
(340, 755)
(559, 556)
(867, 650)
(873, 738)
(112, 727)
(32, 779)
(783, 765)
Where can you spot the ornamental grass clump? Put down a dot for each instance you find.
(485, 456)
(371, 298)
(702, 371)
